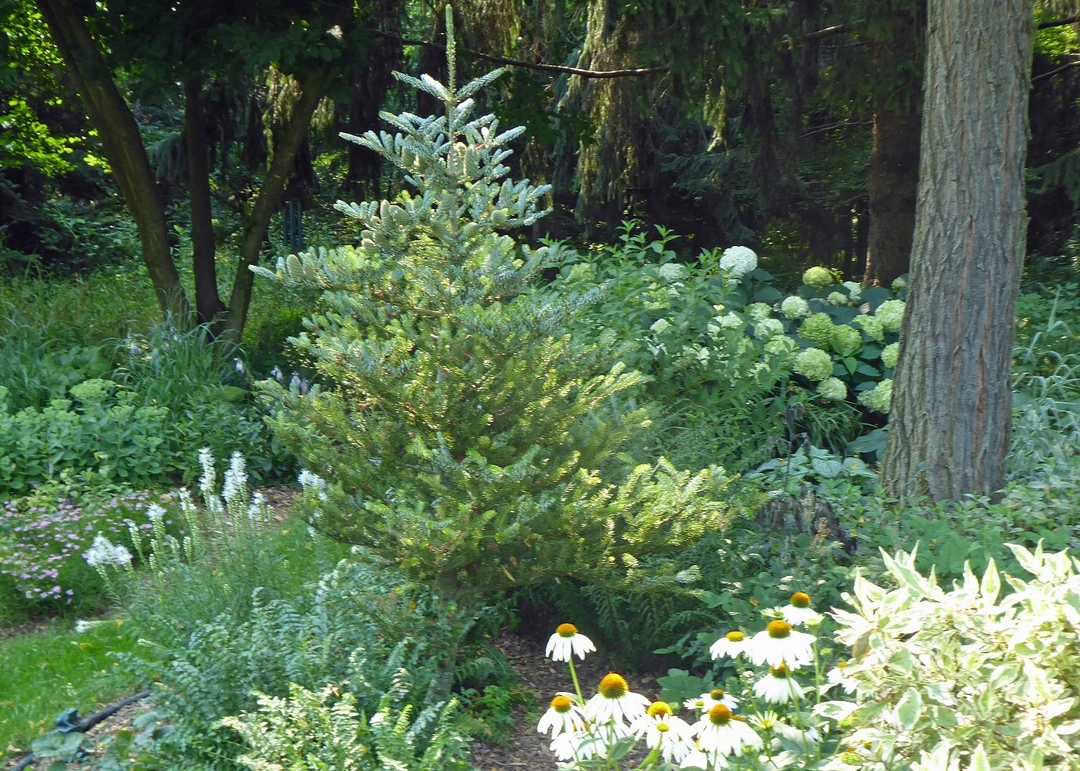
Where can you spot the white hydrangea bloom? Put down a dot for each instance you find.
(767, 329)
(890, 354)
(794, 306)
(737, 261)
(730, 321)
(780, 345)
(813, 364)
(671, 271)
(837, 298)
(818, 277)
(872, 326)
(899, 283)
(833, 389)
(891, 315)
(879, 399)
(758, 311)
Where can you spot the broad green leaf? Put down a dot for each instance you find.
(979, 761)
(909, 709)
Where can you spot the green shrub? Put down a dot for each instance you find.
(462, 426)
(966, 676)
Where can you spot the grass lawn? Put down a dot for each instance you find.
(45, 672)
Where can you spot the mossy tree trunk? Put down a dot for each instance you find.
(950, 425)
(258, 221)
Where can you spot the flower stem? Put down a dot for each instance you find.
(577, 686)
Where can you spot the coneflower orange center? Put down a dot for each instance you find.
(800, 600)
(561, 703)
(780, 671)
(565, 630)
(613, 686)
(735, 636)
(716, 694)
(659, 709)
(720, 715)
(778, 630)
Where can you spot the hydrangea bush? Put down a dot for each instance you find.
(717, 331)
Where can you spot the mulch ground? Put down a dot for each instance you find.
(528, 748)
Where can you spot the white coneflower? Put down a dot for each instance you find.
(717, 696)
(563, 716)
(614, 703)
(671, 735)
(702, 760)
(778, 687)
(566, 642)
(732, 644)
(798, 611)
(839, 676)
(577, 745)
(778, 644)
(722, 733)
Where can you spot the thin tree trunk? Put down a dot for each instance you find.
(269, 194)
(123, 146)
(950, 426)
(203, 259)
(893, 173)
(892, 185)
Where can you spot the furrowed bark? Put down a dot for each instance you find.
(208, 304)
(950, 425)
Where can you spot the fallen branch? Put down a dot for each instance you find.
(635, 73)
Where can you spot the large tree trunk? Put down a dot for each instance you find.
(950, 426)
(203, 248)
(269, 194)
(892, 184)
(123, 146)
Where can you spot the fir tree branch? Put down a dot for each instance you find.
(840, 29)
(599, 74)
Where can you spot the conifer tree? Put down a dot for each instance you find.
(460, 433)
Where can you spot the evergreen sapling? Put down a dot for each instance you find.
(462, 427)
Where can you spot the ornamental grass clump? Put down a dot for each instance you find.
(459, 427)
(966, 678)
